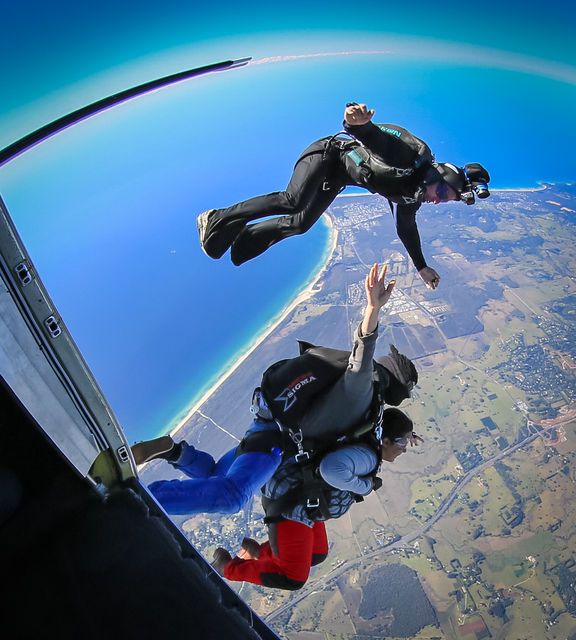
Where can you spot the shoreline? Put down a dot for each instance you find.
(542, 187)
(302, 296)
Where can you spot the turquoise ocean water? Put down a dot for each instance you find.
(107, 208)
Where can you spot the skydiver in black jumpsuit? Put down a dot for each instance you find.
(320, 174)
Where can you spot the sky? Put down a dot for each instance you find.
(122, 188)
(61, 55)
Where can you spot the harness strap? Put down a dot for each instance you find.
(333, 141)
(310, 493)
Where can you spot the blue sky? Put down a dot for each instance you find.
(125, 186)
(62, 55)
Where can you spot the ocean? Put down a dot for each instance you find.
(107, 209)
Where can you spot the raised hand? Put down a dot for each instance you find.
(377, 295)
(415, 439)
(357, 114)
(377, 291)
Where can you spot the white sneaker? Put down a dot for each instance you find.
(202, 226)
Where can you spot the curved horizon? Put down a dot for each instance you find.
(116, 79)
(477, 56)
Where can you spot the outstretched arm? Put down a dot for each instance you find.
(407, 230)
(377, 295)
(358, 123)
(347, 401)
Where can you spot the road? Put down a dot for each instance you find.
(405, 540)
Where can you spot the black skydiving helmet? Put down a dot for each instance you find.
(392, 391)
(468, 181)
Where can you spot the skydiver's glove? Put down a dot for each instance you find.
(376, 483)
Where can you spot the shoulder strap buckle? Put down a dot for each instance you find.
(312, 503)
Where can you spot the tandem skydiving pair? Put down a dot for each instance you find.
(313, 457)
(383, 158)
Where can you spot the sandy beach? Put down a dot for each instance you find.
(304, 295)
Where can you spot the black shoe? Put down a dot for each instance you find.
(251, 547)
(221, 558)
(251, 241)
(155, 449)
(217, 234)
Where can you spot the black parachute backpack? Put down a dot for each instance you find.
(290, 386)
(368, 168)
(311, 490)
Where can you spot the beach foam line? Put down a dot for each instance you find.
(304, 295)
(529, 189)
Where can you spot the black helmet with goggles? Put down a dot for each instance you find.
(469, 182)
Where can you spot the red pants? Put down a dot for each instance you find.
(285, 560)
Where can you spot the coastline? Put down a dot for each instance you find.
(302, 296)
(542, 187)
(530, 189)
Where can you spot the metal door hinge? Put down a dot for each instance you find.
(53, 327)
(123, 454)
(23, 273)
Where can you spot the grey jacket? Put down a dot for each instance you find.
(336, 411)
(346, 402)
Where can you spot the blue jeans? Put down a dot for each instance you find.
(225, 486)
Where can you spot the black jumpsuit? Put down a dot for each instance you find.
(317, 179)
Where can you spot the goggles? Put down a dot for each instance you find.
(402, 443)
